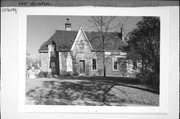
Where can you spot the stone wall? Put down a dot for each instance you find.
(100, 68)
(66, 64)
(121, 66)
(82, 51)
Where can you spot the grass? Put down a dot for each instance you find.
(90, 91)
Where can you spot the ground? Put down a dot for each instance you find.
(90, 91)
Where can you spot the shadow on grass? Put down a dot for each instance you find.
(83, 92)
(123, 81)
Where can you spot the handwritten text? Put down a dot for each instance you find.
(34, 3)
(9, 10)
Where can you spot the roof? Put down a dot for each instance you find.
(65, 39)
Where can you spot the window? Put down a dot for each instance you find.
(94, 65)
(51, 50)
(115, 64)
(53, 66)
(134, 65)
(53, 54)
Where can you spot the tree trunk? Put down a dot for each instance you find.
(102, 38)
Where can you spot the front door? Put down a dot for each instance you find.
(82, 66)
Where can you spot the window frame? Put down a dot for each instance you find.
(53, 66)
(92, 64)
(52, 54)
(113, 62)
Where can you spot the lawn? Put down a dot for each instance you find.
(93, 91)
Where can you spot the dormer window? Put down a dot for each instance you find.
(53, 54)
(51, 50)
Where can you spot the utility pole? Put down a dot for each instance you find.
(102, 38)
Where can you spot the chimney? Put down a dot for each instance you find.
(122, 34)
(67, 25)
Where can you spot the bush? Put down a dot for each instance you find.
(43, 74)
(142, 77)
(154, 79)
(68, 74)
(150, 78)
(75, 73)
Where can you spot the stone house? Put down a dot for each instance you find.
(81, 53)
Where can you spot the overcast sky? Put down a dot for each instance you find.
(41, 28)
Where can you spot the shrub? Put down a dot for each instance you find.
(150, 78)
(42, 74)
(68, 74)
(75, 73)
(142, 77)
(153, 79)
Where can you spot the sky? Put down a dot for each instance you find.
(41, 28)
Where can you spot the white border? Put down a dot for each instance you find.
(95, 11)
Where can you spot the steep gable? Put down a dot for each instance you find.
(81, 40)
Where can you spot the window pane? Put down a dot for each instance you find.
(94, 64)
(53, 54)
(115, 64)
(53, 66)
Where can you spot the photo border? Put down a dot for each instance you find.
(161, 12)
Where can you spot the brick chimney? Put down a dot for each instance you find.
(122, 34)
(67, 25)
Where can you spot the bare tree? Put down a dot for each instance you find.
(104, 25)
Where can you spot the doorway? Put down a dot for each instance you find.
(82, 66)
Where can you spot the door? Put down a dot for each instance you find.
(82, 66)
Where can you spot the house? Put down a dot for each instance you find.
(79, 53)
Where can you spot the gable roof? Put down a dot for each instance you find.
(81, 31)
(65, 39)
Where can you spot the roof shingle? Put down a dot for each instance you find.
(65, 39)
